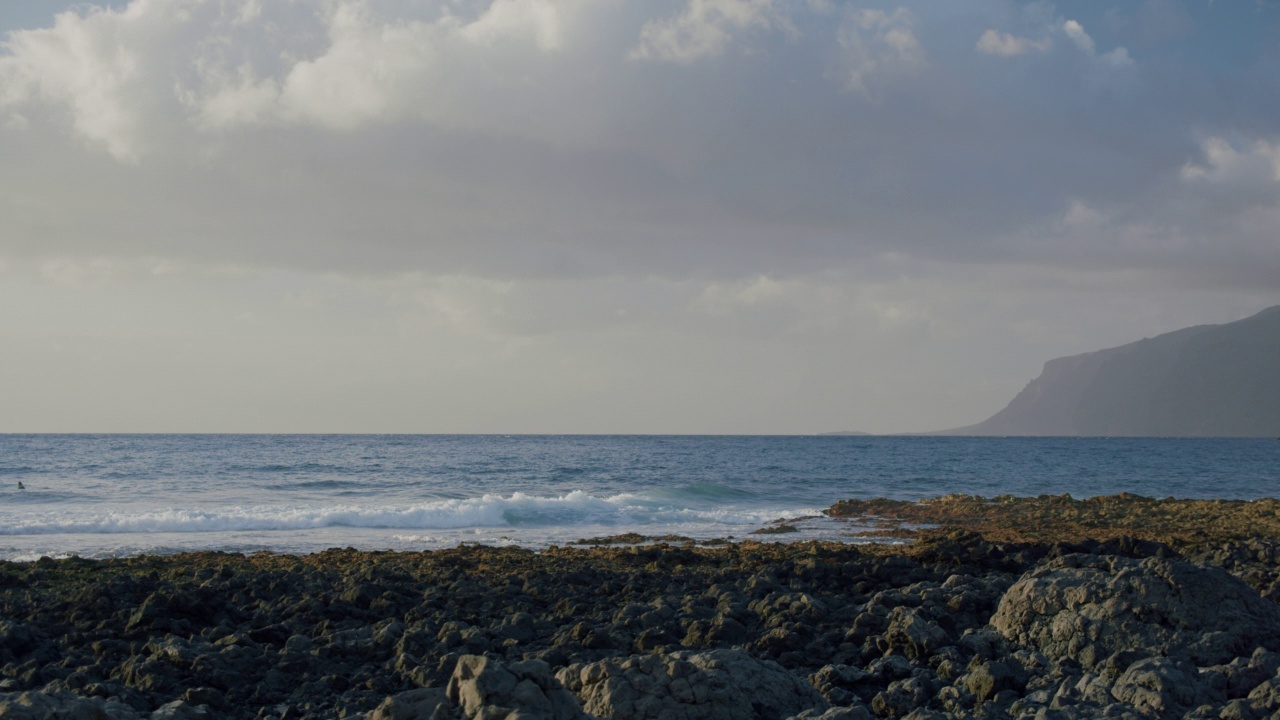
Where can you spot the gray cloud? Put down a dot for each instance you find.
(700, 177)
(527, 127)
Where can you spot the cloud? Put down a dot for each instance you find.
(1075, 31)
(1116, 58)
(586, 215)
(724, 298)
(94, 65)
(878, 44)
(1008, 45)
(368, 72)
(522, 137)
(705, 29)
(1258, 163)
(540, 20)
(121, 74)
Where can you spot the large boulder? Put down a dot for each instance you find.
(1088, 607)
(715, 685)
(486, 689)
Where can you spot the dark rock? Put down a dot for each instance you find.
(841, 684)
(1157, 686)
(60, 705)
(901, 697)
(989, 678)
(715, 685)
(853, 712)
(205, 696)
(420, 704)
(484, 688)
(913, 635)
(1088, 607)
(180, 710)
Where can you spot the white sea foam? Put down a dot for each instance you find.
(518, 510)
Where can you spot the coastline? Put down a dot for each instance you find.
(930, 629)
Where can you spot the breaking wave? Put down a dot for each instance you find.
(488, 511)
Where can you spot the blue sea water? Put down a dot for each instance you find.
(107, 495)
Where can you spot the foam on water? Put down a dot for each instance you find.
(120, 495)
(488, 511)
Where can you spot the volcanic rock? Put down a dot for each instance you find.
(714, 685)
(1089, 607)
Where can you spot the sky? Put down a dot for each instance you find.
(614, 216)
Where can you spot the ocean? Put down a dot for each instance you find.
(113, 495)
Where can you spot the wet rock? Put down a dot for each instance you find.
(1087, 607)
(715, 685)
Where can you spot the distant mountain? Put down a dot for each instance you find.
(1209, 380)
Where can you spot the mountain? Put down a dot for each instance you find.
(1208, 380)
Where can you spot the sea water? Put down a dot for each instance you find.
(110, 495)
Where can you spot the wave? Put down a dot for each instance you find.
(704, 492)
(306, 467)
(322, 485)
(489, 511)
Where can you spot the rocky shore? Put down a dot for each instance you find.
(1045, 608)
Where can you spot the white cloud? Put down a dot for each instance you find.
(1075, 31)
(369, 71)
(1117, 58)
(719, 299)
(470, 306)
(250, 10)
(126, 77)
(232, 100)
(81, 273)
(94, 65)
(1258, 163)
(1009, 45)
(878, 44)
(705, 29)
(507, 19)
(1081, 217)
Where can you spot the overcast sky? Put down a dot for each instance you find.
(614, 216)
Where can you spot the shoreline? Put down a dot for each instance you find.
(936, 627)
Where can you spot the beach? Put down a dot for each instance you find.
(1129, 607)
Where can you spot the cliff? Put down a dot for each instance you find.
(1208, 380)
